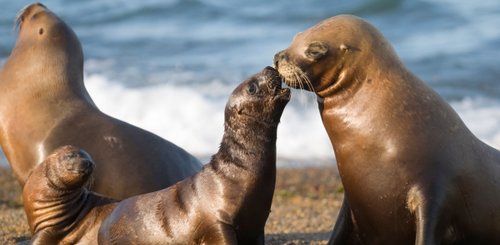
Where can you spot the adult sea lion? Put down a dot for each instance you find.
(228, 202)
(59, 208)
(44, 105)
(412, 171)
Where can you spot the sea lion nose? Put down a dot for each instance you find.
(35, 7)
(32, 10)
(277, 57)
(268, 73)
(86, 159)
(87, 163)
(80, 165)
(77, 159)
(269, 70)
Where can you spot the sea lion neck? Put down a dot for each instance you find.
(49, 50)
(42, 84)
(251, 132)
(247, 145)
(385, 107)
(356, 68)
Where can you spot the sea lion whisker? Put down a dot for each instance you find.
(19, 18)
(307, 81)
(288, 75)
(297, 81)
(302, 81)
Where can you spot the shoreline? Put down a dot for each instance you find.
(305, 206)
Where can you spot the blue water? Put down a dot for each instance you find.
(169, 66)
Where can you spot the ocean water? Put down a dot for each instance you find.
(169, 66)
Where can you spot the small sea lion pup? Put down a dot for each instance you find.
(44, 105)
(59, 208)
(228, 202)
(412, 171)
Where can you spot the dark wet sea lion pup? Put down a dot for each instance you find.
(44, 105)
(59, 207)
(412, 171)
(228, 202)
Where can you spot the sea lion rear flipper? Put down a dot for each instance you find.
(42, 238)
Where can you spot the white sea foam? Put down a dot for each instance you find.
(482, 116)
(452, 44)
(193, 118)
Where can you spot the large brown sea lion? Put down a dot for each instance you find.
(44, 105)
(59, 207)
(228, 202)
(412, 171)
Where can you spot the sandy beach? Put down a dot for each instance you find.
(305, 205)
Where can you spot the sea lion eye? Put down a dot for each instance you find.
(40, 31)
(316, 50)
(252, 89)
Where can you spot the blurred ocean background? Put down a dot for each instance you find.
(169, 65)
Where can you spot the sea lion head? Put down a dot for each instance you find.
(68, 167)
(331, 54)
(46, 48)
(260, 98)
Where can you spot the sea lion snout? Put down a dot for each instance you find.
(70, 167)
(290, 72)
(272, 78)
(76, 160)
(269, 69)
(80, 165)
(281, 55)
(29, 11)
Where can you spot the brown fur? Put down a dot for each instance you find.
(228, 202)
(412, 171)
(44, 105)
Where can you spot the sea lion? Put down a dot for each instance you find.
(59, 208)
(44, 105)
(412, 171)
(228, 202)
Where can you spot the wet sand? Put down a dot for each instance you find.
(305, 205)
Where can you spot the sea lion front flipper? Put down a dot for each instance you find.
(261, 240)
(430, 219)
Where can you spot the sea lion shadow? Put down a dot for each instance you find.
(297, 238)
(22, 240)
(11, 203)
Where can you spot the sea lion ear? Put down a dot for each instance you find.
(344, 47)
(316, 50)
